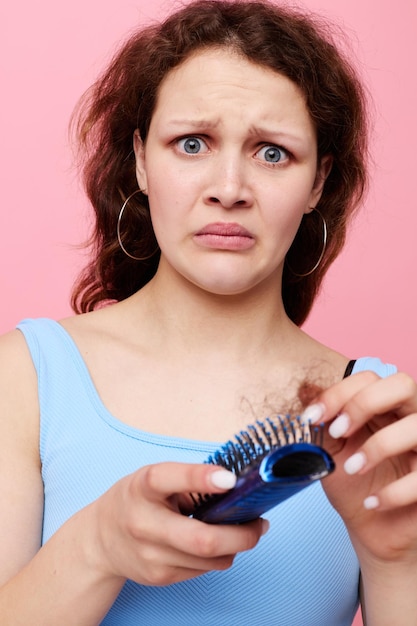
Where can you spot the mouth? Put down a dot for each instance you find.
(224, 236)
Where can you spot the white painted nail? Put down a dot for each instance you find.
(355, 463)
(340, 426)
(371, 502)
(222, 479)
(313, 413)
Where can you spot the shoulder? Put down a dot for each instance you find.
(374, 364)
(16, 365)
(21, 491)
(100, 321)
(328, 364)
(102, 329)
(19, 405)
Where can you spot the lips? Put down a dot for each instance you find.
(224, 236)
(225, 230)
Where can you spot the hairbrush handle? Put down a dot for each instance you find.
(282, 473)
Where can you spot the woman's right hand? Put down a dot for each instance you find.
(142, 534)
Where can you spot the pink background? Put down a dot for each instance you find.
(50, 52)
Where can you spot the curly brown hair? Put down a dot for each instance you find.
(123, 99)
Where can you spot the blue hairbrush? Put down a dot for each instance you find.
(273, 460)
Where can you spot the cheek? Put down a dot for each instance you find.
(283, 218)
(164, 185)
(165, 212)
(290, 194)
(171, 194)
(157, 192)
(286, 212)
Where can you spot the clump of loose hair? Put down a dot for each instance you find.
(123, 99)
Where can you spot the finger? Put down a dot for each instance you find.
(165, 479)
(164, 577)
(194, 537)
(331, 401)
(158, 483)
(402, 492)
(392, 441)
(396, 393)
(365, 396)
(192, 545)
(161, 565)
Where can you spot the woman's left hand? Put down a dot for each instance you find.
(373, 440)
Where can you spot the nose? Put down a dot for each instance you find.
(229, 182)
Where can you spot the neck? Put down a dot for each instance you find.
(243, 323)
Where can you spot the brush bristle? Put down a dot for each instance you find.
(261, 438)
(251, 445)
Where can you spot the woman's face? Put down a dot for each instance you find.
(230, 167)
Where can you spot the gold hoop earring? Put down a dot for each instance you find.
(313, 269)
(119, 239)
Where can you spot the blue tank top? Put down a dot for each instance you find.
(304, 571)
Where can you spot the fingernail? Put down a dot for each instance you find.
(265, 526)
(355, 463)
(313, 413)
(371, 502)
(340, 426)
(222, 479)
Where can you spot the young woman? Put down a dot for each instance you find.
(225, 152)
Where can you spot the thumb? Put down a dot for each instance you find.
(163, 480)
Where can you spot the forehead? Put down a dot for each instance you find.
(221, 80)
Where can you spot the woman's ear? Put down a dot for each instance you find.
(139, 149)
(323, 170)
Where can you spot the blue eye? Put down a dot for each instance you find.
(191, 145)
(273, 154)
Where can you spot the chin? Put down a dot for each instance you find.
(223, 289)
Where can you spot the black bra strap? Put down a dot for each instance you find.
(349, 368)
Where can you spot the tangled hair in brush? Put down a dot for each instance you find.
(288, 41)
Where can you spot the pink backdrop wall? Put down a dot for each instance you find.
(50, 52)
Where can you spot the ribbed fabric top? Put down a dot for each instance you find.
(303, 572)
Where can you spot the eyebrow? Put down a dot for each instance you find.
(279, 135)
(254, 130)
(202, 123)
